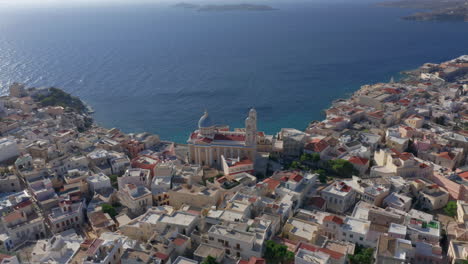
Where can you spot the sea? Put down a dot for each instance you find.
(149, 66)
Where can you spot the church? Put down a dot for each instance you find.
(209, 142)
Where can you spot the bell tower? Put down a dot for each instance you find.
(251, 128)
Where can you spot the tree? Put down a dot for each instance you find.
(295, 165)
(451, 208)
(362, 256)
(342, 167)
(304, 157)
(209, 260)
(109, 209)
(277, 254)
(113, 179)
(440, 120)
(315, 157)
(322, 175)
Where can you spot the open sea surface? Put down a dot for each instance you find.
(156, 68)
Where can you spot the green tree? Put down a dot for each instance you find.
(440, 120)
(451, 208)
(315, 157)
(342, 167)
(322, 175)
(362, 256)
(209, 260)
(113, 179)
(295, 165)
(109, 209)
(277, 254)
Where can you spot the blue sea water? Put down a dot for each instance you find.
(153, 67)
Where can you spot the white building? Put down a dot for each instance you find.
(57, 250)
(66, 216)
(8, 149)
(304, 256)
(236, 243)
(98, 182)
(357, 231)
(104, 251)
(398, 201)
(339, 197)
(136, 176)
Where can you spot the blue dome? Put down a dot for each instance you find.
(205, 121)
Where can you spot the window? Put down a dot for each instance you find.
(211, 238)
(361, 238)
(351, 235)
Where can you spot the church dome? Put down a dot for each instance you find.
(205, 121)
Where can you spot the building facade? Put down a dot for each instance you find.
(209, 142)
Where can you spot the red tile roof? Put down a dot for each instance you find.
(179, 241)
(244, 161)
(331, 253)
(376, 114)
(392, 90)
(205, 139)
(316, 145)
(23, 204)
(272, 183)
(333, 218)
(255, 260)
(94, 246)
(343, 187)
(13, 216)
(446, 155)
(464, 175)
(4, 256)
(358, 160)
(318, 202)
(231, 137)
(161, 256)
(295, 177)
(405, 156)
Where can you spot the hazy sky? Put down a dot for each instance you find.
(60, 3)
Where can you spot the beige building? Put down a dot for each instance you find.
(462, 211)
(209, 142)
(198, 196)
(430, 196)
(299, 230)
(457, 251)
(415, 121)
(137, 198)
(394, 163)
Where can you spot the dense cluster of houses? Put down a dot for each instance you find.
(71, 192)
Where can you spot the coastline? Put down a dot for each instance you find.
(402, 76)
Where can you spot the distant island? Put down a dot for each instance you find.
(227, 7)
(449, 10)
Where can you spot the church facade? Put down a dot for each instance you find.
(209, 142)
